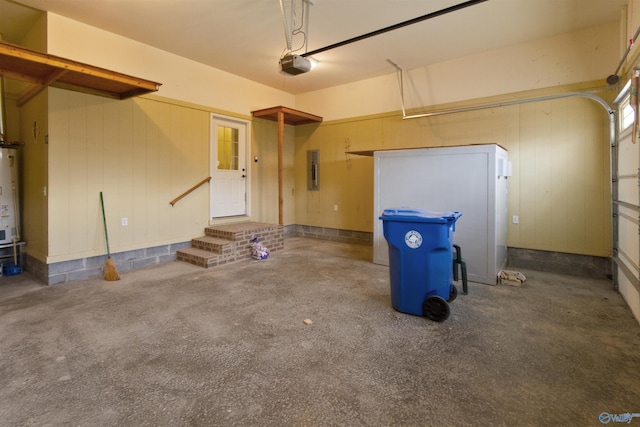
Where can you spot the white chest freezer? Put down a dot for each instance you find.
(469, 179)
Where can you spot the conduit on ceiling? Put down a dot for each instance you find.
(615, 78)
(396, 26)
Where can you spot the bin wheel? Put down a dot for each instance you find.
(435, 308)
(453, 293)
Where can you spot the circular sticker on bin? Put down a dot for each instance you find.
(413, 239)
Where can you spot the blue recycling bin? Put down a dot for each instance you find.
(420, 260)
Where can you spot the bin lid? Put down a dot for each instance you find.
(419, 215)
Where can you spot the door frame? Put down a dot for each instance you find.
(247, 155)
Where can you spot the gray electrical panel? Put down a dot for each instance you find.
(313, 170)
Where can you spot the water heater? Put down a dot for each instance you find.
(9, 212)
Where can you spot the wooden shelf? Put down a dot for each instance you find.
(291, 116)
(370, 153)
(42, 70)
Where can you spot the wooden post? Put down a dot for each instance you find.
(292, 117)
(280, 144)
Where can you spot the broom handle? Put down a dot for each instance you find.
(104, 221)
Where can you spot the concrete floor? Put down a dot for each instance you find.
(174, 345)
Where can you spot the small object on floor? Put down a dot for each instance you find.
(12, 270)
(258, 250)
(307, 321)
(511, 278)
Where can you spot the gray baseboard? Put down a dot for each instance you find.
(552, 262)
(84, 268)
(333, 234)
(558, 262)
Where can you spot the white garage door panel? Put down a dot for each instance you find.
(627, 171)
(628, 241)
(628, 156)
(630, 294)
(628, 190)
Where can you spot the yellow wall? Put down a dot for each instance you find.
(33, 124)
(264, 172)
(181, 78)
(560, 187)
(559, 149)
(582, 56)
(345, 180)
(34, 175)
(560, 154)
(146, 151)
(141, 153)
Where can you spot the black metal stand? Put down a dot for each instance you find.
(463, 267)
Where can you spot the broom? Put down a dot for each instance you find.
(110, 272)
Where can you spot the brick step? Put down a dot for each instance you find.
(213, 244)
(228, 243)
(242, 231)
(195, 256)
(203, 258)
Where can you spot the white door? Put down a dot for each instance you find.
(228, 167)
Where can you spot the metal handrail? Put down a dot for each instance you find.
(177, 199)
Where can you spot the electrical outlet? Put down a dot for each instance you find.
(125, 222)
(515, 219)
(335, 208)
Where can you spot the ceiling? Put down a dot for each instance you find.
(247, 37)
